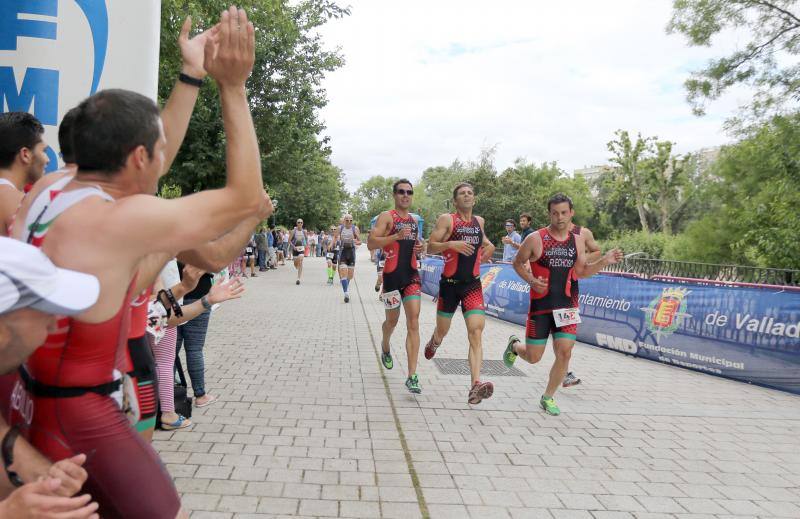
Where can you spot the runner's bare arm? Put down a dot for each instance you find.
(488, 246)
(381, 237)
(531, 250)
(179, 107)
(437, 240)
(584, 270)
(357, 236)
(213, 256)
(593, 250)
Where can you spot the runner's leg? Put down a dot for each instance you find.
(411, 305)
(475, 323)
(389, 324)
(562, 347)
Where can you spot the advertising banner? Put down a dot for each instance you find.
(748, 334)
(55, 53)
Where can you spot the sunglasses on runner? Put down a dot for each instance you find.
(401, 192)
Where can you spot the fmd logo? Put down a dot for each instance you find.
(36, 89)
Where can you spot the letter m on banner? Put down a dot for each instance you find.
(39, 87)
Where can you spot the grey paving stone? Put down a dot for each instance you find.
(326, 443)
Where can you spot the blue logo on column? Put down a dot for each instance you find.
(39, 87)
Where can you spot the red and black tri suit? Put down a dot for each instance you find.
(556, 265)
(461, 277)
(400, 270)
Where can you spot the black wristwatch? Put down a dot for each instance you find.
(8, 456)
(189, 80)
(206, 304)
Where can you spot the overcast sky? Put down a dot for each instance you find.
(426, 82)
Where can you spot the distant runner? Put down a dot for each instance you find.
(347, 235)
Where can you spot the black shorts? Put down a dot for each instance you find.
(469, 294)
(409, 286)
(335, 258)
(347, 257)
(539, 327)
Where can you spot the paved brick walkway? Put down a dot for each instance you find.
(310, 425)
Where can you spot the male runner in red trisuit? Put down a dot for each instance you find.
(464, 245)
(397, 233)
(552, 260)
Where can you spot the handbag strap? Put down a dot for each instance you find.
(179, 371)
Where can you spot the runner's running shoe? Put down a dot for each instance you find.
(570, 380)
(347, 298)
(386, 360)
(549, 405)
(430, 349)
(378, 288)
(510, 356)
(480, 391)
(297, 282)
(412, 384)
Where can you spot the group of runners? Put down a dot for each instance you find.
(80, 388)
(551, 260)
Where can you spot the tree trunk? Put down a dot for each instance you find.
(666, 223)
(642, 214)
(639, 197)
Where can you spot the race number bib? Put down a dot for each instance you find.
(329, 255)
(249, 250)
(566, 316)
(391, 300)
(299, 249)
(382, 263)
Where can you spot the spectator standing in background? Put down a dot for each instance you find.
(525, 226)
(262, 247)
(511, 241)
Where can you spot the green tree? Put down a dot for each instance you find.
(372, 197)
(286, 94)
(772, 26)
(665, 175)
(628, 156)
(758, 194)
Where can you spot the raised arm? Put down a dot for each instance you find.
(179, 107)
(207, 215)
(214, 255)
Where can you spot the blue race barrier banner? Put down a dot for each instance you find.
(747, 334)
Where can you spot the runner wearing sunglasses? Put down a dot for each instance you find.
(397, 232)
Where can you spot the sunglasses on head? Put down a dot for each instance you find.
(408, 192)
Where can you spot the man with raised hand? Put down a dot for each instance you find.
(397, 233)
(461, 240)
(552, 260)
(22, 161)
(98, 222)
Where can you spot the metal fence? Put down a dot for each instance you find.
(688, 271)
